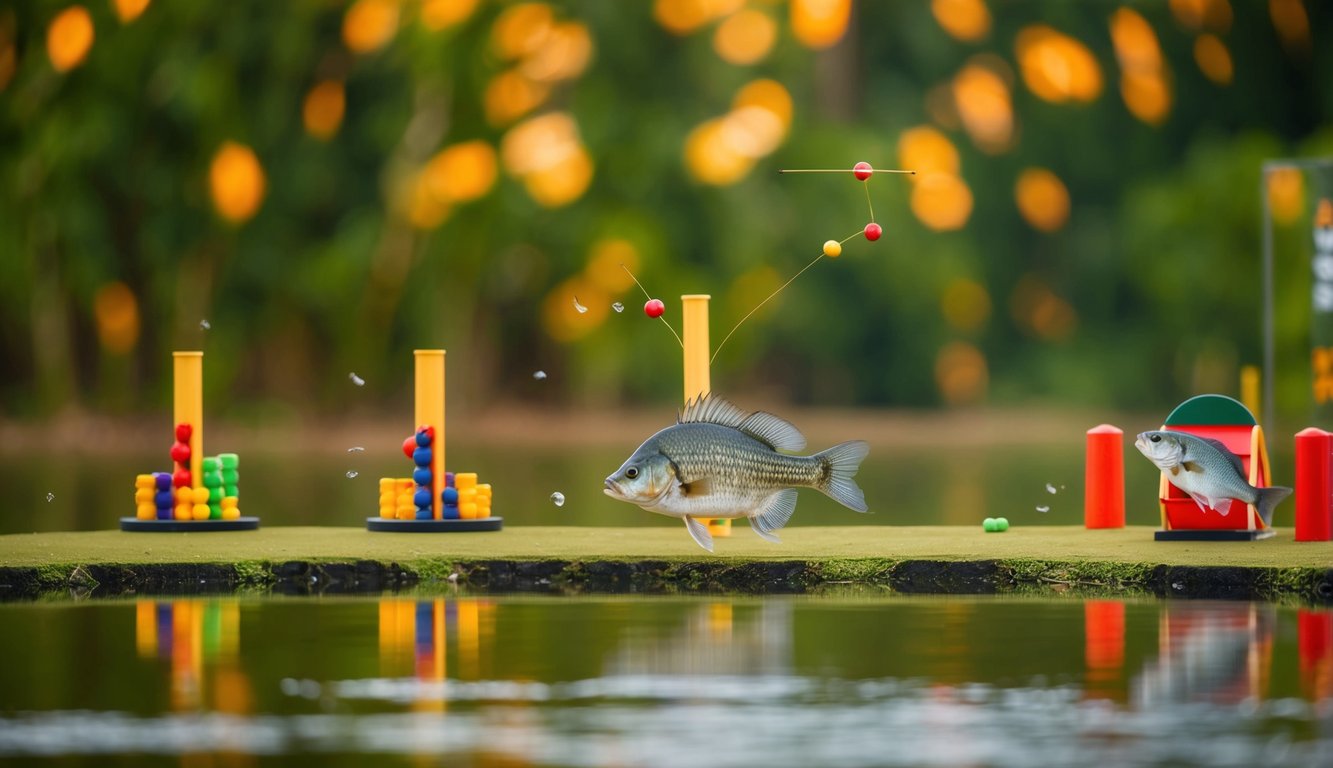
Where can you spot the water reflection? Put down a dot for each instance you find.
(620, 680)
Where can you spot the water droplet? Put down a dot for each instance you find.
(204, 325)
(1050, 488)
(50, 497)
(618, 307)
(357, 380)
(1043, 509)
(579, 307)
(356, 449)
(351, 473)
(539, 375)
(558, 499)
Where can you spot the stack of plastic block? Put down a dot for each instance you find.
(212, 504)
(422, 477)
(231, 485)
(449, 498)
(152, 496)
(396, 498)
(464, 498)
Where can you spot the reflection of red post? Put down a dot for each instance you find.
(1314, 498)
(1314, 642)
(1103, 645)
(1104, 478)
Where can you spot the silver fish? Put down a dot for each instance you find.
(719, 461)
(1206, 470)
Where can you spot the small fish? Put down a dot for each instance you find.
(719, 461)
(1210, 473)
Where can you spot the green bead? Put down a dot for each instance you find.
(233, 490)
(1001, 524)
(214, 511)
(211, 464)
(989, 525)
(229, 460)
(230, 477)
(215, 495)
(213, 480)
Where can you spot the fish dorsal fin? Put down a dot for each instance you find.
(773, 431)
(1225, 451)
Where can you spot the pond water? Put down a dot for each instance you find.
(858, 678)
(929, 486)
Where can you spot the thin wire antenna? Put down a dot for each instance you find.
(650, 296)
(842, 170)
(770, 296)
(869, 204)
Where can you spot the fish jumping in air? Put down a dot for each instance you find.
(719, 461)
(1206, 470)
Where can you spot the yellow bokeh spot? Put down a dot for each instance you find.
(1042, 199)
(462, 172)
(437, 15)
(562, 55)
(1286, 195)
(961, 374)
(323, 109)
(965, 304)
(521, 29)
(236, 181)
(1198, 14)
(682, 17)
(562, 183)
(1038, 310)
(745, 37)
(1148, 96)
(769, 95)
(1323, 213)
(129, 10)
(116, 312)
(753, 286)
(510, 95)
(425, 209)
(819, 23)
(1056, 67)
(1135, 42)
(547, 154)
(1291, 22)
(712, 159)
(370, 24)
(605, 260)
(926, 150)
(941, 201)
(1213, 58)
(966, 20)
(69, 38)
(8, 62)
(982, 100)
(565, 323)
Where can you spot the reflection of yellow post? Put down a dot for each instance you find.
(694, 333)
(430, 410)
(188, 407)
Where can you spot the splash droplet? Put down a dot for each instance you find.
(357, 380)
(356, 449)
(50, 497)
(618, 307)
(1043, 509)
(539, 375)
(204, 325)
(558, 499)
(579, 307)
(1050, 488)
(351, 473)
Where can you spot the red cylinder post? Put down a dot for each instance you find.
(1314, 498)
(1104, 478)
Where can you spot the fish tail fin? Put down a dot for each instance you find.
(837, 466)
(1268, 499)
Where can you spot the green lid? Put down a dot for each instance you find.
(229, 460)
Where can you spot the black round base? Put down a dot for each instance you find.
(188, 526)
(433, 526)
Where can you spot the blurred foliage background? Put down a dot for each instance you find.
(314, 188)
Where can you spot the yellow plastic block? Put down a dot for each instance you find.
(144, 481)
(406, 484)
(464, 481)
(387, 484)
(230, 513)
(484, 489)
(145, 512)
(143, 496)
(467, 510)
(230, 502)
(185, 495)
(201, 511)
(183, 511)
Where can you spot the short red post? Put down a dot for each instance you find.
(1314, 497)
(1104, 478)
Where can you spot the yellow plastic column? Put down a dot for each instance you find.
(694, 332)
(430, 410)
(188, 407)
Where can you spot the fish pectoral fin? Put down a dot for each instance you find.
(1191, 466)
(774, 512)
(701, 487)
(761, 533)
(1201, 500)
(1223, 506)
(699, 532)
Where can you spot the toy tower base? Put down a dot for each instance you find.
(136, 525)
(387, 525)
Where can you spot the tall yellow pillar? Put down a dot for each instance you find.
(430, 411)
(694, 337)
(188, 406)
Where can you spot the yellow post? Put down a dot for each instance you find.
(188, 407)
(694, 332)
(1249, 388)
(430, 410)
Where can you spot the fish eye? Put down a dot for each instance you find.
(1156, 438)
(632, 472)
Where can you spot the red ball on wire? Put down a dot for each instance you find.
(873, 231)
(862, 170)
(654, 308)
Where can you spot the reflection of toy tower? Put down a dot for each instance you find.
(187, 634)
(694, 338)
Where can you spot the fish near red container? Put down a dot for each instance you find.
(1104, 478)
